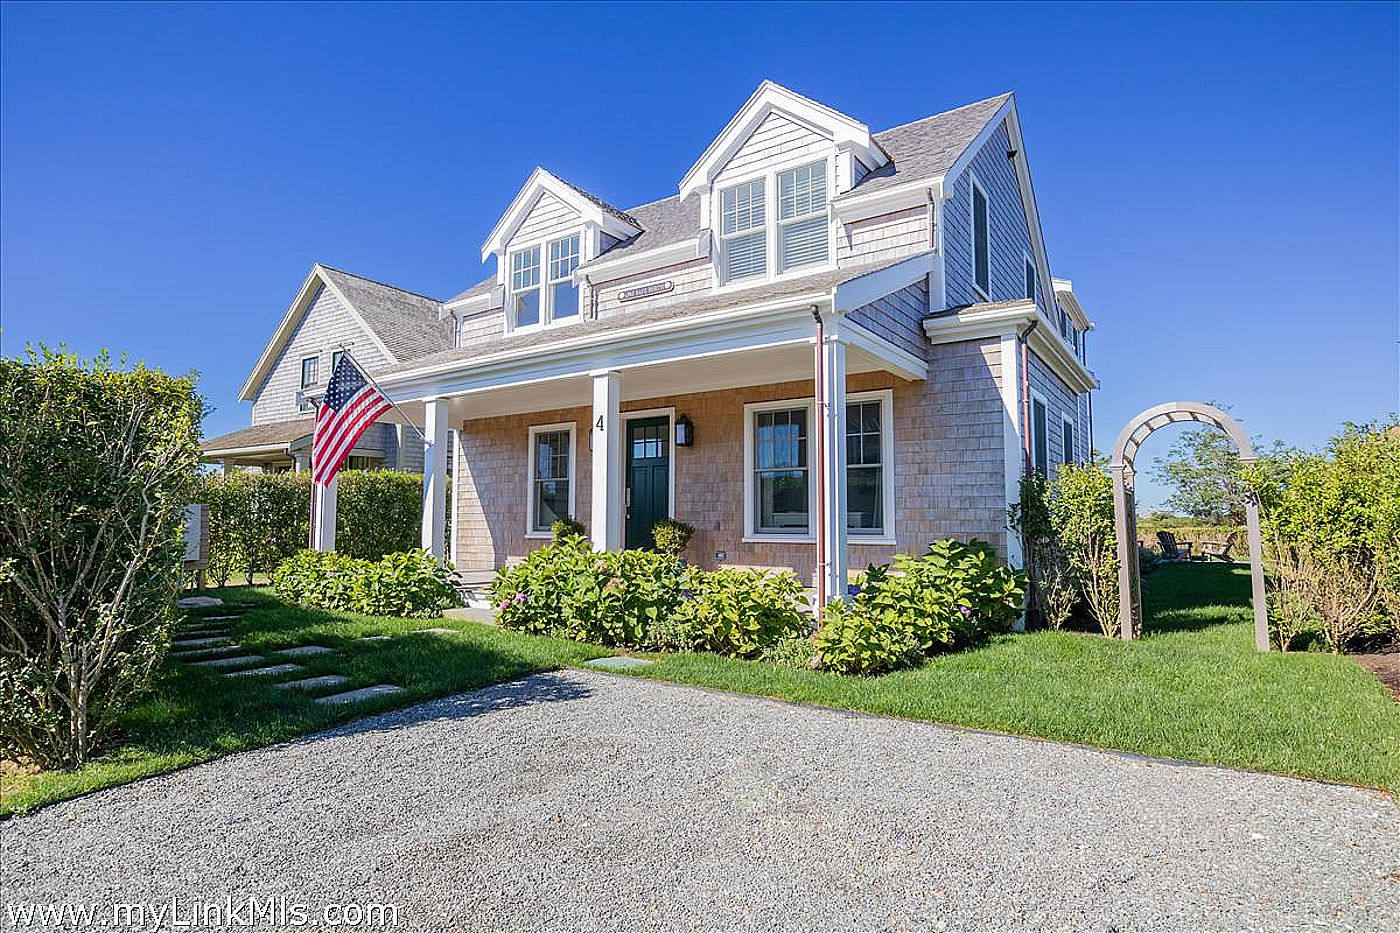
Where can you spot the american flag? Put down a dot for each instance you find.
(350, 406)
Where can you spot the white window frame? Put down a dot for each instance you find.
(1071, 455)
(765, 228)
(769, 173)
(547, 262)
(975, 187)
(537, 429)
(887, 465)
(546, 290)
(801, 218)
(1045, 406)
(301, 376)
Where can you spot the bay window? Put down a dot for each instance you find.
(802, 224)
(743, 230)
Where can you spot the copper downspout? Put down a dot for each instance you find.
(820, 435)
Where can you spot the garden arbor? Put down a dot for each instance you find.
(1125, 510)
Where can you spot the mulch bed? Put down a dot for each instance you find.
(1386, 667)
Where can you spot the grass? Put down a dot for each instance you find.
(1193, 688)
(193, 714)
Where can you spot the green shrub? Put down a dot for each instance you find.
(737, 612)
(1081, 508)
(96, 465)
(378, 512)
(619, 595)
(672, 536)
(567, 527)
(529, 596)
(410, 584)
(795, 649)
(952, 597)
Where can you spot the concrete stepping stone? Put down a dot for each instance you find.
(205, 652)
(269, 671)
(241, 660)
(314, 683)
(617, 663)
(188, 630)
(485, 616)
(199, 602)
(355, 696)
(305, 651)
(218, 618)
(196, 642)
(375, 638)
(436, 631)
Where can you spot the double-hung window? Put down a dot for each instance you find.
(865, 480)
(981, 243)
(743, 230)
(563, 293)
(309, 378)
(551, 466)
(802, 223)
(525, 286)
(781, 502)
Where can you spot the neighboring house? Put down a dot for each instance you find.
(625, 365)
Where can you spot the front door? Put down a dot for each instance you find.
(648, 494)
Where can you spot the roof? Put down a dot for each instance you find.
(771, 291)
(480, 288)
(663, 223)
(979, 306)
(261, 435)
(406, 322)
(928, 148)
(619, 214)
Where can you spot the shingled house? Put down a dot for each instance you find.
(824, 334)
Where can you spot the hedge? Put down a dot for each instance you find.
(258, 520)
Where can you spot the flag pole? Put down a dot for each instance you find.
(344, 348)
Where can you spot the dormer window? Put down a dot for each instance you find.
(802, 223)
(525, 286)
(563, 260)
(743, 233)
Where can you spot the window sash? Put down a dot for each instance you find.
(744, 229)
(865, 466)
(1067, 452)
(782, 500)
(981, 261)
(550, 477)
(309, 374)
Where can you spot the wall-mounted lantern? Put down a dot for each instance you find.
(685, 431)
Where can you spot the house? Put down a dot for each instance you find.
(826, 345)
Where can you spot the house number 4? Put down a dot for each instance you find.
(600, 423)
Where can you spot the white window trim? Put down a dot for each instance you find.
(769, 172)
(547, 318)
(887, 465)
(669, 413)
(1030, 415)
(530, 474)
(1070, 455)
(975, 185)
(301, 371)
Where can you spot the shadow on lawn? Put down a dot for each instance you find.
(1193, 597)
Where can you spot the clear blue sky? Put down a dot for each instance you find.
(1219, 181)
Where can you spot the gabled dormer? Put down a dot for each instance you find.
(765, 185)
(548, 230)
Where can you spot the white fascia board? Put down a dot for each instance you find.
(603, 269)
(221, 453)
(855, 206)
(1058, 357)
(861, 291)
(898, 360)
(1014, 319)
(768, 98)
(1064, 290)
(964, 160)
(756, 326)
(470, 305)
(539, 182)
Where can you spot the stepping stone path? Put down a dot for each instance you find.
(197, 642)
(306, 651)
(355, 696)
(199, 602)
(616, 663)
(268, 671)
(241, 660)
(205, 652)
(375, 638)
(217, 618)
(314, 683)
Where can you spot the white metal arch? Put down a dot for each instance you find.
(1125, 452)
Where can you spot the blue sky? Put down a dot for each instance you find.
(1219, 181)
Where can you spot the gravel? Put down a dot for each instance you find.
(586, 801)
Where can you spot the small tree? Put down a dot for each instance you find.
(96, 465)
(1081, 508)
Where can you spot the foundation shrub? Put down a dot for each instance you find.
(734, 611)
(619, 595)
(672, 536)
(529, 596)
(567, 527)
(410, 584)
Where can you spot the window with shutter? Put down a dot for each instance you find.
(802, 221)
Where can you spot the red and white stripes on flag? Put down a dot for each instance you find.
(351, 405)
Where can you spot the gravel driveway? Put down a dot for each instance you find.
(588, 801)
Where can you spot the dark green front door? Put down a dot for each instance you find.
(648, 477)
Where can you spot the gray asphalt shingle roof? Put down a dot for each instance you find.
(820, 282)
(259, 435)
(407, 322)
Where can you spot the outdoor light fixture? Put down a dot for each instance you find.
(685, 431)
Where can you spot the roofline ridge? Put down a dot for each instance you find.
(365, 278)
(944, 113)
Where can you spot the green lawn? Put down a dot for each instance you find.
(194, 714)
(1192, 688)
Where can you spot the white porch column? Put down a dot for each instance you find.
(831, 433)
(226, 466)
(606, 434)
(301, 462)
(323, 510)
(400, 447)
(435, 476)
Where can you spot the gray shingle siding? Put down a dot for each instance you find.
(1008, 231)
(898, 317)
(1060, 402)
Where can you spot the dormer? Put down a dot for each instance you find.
(548, 230)
(766, 182)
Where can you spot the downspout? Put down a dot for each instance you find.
(1024, 339)
(819, 428)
